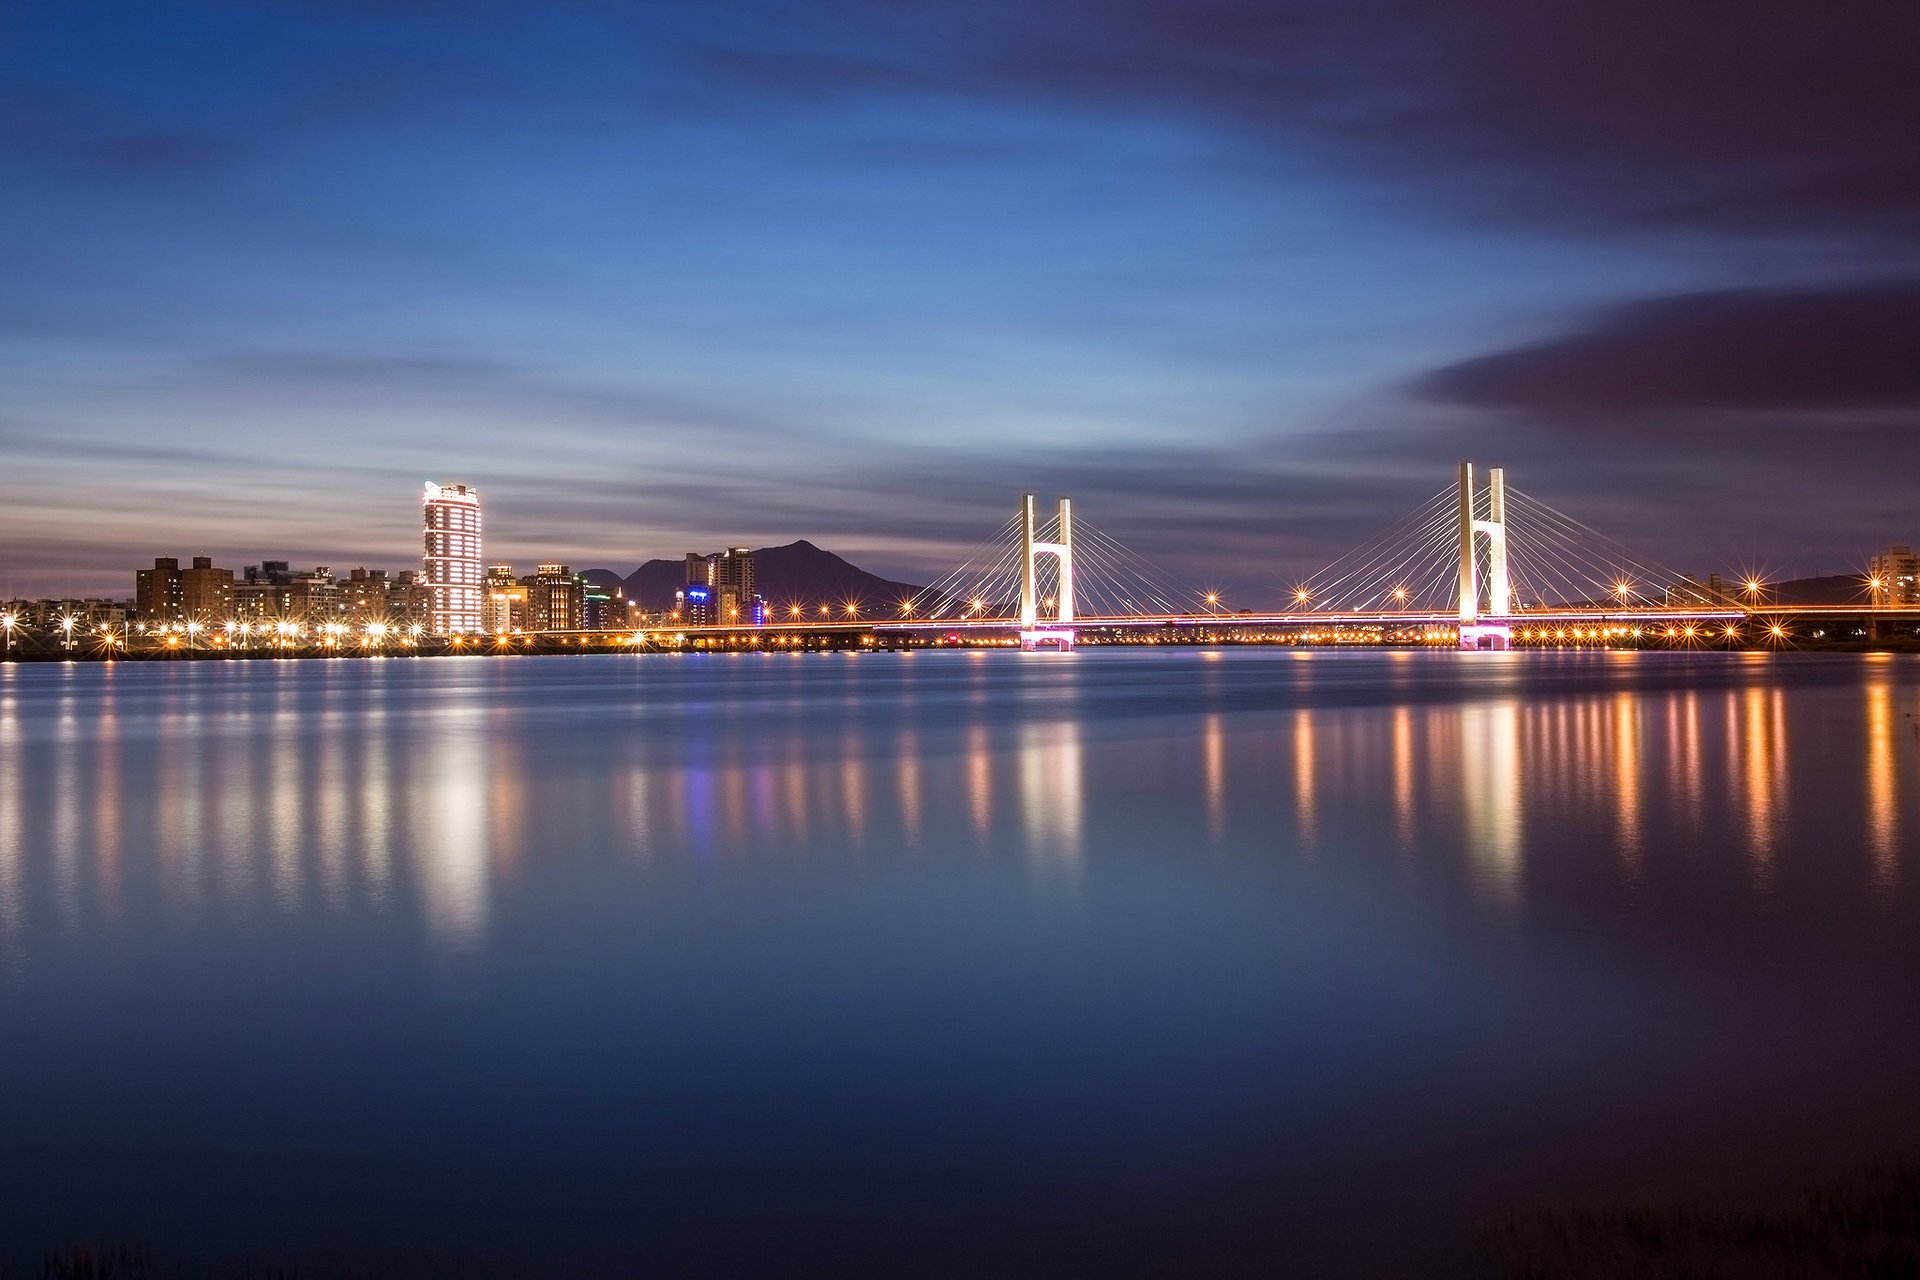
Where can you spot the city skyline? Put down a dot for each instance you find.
(653, 277)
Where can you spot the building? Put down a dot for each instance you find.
(206, 592)
(1893, 577)
(88, 613)
(555, 599)
(157, 592)
(730, 574)
(694, 605)
(314, 597)
(372, 595)
(604, 608)
(167, 593)
(504, 607)
(260, 593)
(450, 565)
(1710, 591)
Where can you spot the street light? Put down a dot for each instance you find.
(66, 626)
(6, 624)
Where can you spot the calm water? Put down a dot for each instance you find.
(1121, 963)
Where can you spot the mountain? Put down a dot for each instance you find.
(798, 573)
(1846, 588)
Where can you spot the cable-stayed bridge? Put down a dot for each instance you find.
(1483, 563)
(1479, 564)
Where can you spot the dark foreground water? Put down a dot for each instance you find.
(1129, 962)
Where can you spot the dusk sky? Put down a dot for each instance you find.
(1244, 280)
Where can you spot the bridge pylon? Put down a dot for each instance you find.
(1486, 628)
(1057, 632)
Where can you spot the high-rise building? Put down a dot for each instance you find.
(730, 574)
(206, 593)
(1894, 576)
(555, 599)
(168, 593)
(157, 591)
(450, 563)
(732, 577)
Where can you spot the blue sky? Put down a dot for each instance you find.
(659, 277)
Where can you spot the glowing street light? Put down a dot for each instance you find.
(6, 624)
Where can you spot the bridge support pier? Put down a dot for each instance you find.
(1488, 629)
(1056, 633)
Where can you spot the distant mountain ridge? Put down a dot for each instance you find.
(797, 573)
(1845, 588)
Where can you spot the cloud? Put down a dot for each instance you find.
(1844, 348)
(1767, 117)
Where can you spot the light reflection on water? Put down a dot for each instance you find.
(1281, 899)
(286, 798)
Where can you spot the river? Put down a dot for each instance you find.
(1131, 961)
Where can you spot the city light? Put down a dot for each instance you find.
(1347, 608)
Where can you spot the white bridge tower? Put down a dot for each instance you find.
(1056, 633)
(1484, 628)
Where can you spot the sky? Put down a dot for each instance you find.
(1244, 280)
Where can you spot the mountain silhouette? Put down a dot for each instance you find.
(797, 573)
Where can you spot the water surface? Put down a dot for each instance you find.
(1123, 962)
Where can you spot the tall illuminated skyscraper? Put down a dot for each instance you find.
(451, 562)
